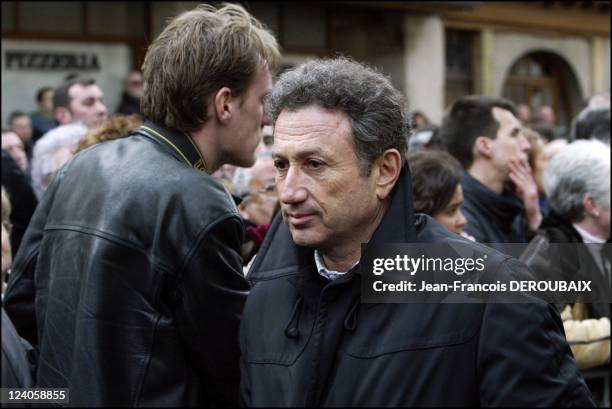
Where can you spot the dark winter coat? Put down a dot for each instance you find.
(307, 341)
(491, 217)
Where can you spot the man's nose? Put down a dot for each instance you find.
(291, 188)
(102, 109)
(266, 120)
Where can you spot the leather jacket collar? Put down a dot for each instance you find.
(180, 143)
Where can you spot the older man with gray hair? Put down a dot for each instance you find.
(307, 340)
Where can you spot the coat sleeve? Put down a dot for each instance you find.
(524, 358)
(211, 297)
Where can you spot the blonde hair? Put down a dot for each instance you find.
(198, 53)
(537, 145)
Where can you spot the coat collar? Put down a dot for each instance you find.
(280, 256)
(180, 144)
(504, 207)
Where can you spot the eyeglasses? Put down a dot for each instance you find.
(270, 187)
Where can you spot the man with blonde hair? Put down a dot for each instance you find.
(138, 276)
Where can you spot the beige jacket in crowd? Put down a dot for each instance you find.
(588, 338)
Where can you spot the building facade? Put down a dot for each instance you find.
(538, 53)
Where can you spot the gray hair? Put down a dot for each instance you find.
(241, 180)
(580, 169)
(375, 107)
(46, 156)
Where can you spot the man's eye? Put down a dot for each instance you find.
(280, 164)
(315, 164)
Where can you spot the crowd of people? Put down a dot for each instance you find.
(202, 245)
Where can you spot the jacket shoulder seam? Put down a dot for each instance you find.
(202, 235)
(110, 237)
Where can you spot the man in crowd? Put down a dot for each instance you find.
(592, 123)
(306, 339)
(78, 106)
(484, 134)
(79, 100)
(42, 118)
(524, 113)
(20, 123)
(138, 276)
(132, 92)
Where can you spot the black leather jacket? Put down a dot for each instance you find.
(130, 280)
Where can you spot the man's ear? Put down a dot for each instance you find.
(590, 206)
(386, 171)
(223, 104)
(482, 147)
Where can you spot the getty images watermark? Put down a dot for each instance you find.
(465, 272)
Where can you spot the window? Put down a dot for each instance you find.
(116, 18)
(299, 27)
(459, 64)
(76, 20)
(8, 16)
(544, 78)
(56, 16)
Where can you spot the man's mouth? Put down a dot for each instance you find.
(299, 219)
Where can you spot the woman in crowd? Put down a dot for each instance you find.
(436, 188)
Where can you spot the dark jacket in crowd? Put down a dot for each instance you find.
(491, 217)
(18, 357)
(41, 124)
(307, 341)
(129, 105)
(22, 198)
(568, 262)
(130, 280)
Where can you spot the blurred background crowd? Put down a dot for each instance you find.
(71, 79)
